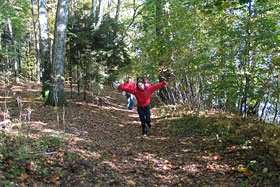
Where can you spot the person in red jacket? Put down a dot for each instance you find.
(143, 95)
(130, 84)
(147, 84)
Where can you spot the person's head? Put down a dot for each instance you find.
(140, 85)
(140, 79)
(145, 79)
(129, 79)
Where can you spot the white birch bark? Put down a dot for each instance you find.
(57, 94)
(44, 46)
(100, 15)
(37, 45)
(10, 28)
(94, 8)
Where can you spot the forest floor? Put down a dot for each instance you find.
(98, 142)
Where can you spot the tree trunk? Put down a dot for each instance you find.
(70, 72)
(100, 14)
(14, 60)
(263, 110)
(73, 7)
(19, 61)
(159, 14)
(247, 66)
(118, 10)
(44, 47)
(1, 56)
(56, 96)
(94, 8)
(37, 44)
(78, 78)
(275, 112)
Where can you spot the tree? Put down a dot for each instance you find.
(14, 60)
(36, 45)
(101, 13)
(56, 96)
(94, 8)
(118, 10)
(44, 46)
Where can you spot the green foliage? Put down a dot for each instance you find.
(16, 14)
(46, 94)
(223, 53)
(100, 50)
(16, 11)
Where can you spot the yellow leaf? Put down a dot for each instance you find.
(242, 169)
(217, 166)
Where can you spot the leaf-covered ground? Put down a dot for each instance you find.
(98, 142)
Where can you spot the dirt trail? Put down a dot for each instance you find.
(113, 151)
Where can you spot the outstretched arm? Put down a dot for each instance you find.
(127, 89)
(157, 86)
(115, 85)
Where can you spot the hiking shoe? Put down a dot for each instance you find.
(144, 135)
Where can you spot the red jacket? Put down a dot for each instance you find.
(147, 84)
(142, 96)
(129, 85)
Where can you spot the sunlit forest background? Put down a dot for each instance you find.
(214, 54)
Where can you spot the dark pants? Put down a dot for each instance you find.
(145, 117)
(130, 101)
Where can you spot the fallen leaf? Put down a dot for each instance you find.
(24, 176)
(242, 169)
(265, 170)
(55, 177)
(131, 182)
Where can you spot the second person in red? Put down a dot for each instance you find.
(147, 84)
(129, 84)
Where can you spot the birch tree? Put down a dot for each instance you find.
(44, 46)
(94, 8)
(15, 63)
(100, 14)
(36, 43)
(56, 96)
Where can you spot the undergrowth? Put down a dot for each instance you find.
(24, 158)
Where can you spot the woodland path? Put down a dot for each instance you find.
(112, 150)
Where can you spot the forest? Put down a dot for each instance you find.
(215, 122)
